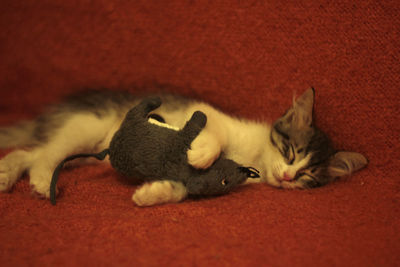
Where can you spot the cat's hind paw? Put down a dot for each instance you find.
(11, 168)
(7, 177)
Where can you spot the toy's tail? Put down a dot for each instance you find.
(54, 179)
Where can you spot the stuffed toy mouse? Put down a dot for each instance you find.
(147, 151)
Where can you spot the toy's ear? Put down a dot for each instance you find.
(250, 172)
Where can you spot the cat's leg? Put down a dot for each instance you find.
(43, 166)
(12, 167)
(159, 192)
(207, 146)
(83, 133)
(204, 150)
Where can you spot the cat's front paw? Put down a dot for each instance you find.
(204, 150)
(159, 192)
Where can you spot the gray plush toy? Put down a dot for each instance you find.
(146, 151)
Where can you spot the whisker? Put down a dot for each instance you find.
(314, 183)
(312, 177)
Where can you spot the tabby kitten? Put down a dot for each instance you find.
(290, 153)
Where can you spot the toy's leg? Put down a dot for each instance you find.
(159, 192)
(83, 133)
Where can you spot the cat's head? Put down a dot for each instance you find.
(305, 157)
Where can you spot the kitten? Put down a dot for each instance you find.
(290, 153)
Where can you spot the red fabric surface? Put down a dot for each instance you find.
(246, 57)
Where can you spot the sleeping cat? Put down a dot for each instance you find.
(290, 153)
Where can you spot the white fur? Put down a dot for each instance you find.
(243, 141)
(156, 122)
(11, 168)
(279, 168)
(246, 142)
(159, 192)
(81, 133)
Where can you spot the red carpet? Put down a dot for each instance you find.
(246, 57)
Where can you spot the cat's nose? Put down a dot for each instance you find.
(286, 177)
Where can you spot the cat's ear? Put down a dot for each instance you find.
(300, 115)
(345, 163)
(303, 109)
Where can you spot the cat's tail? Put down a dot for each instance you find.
(21, 134)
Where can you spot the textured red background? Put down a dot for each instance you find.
(246, 57)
